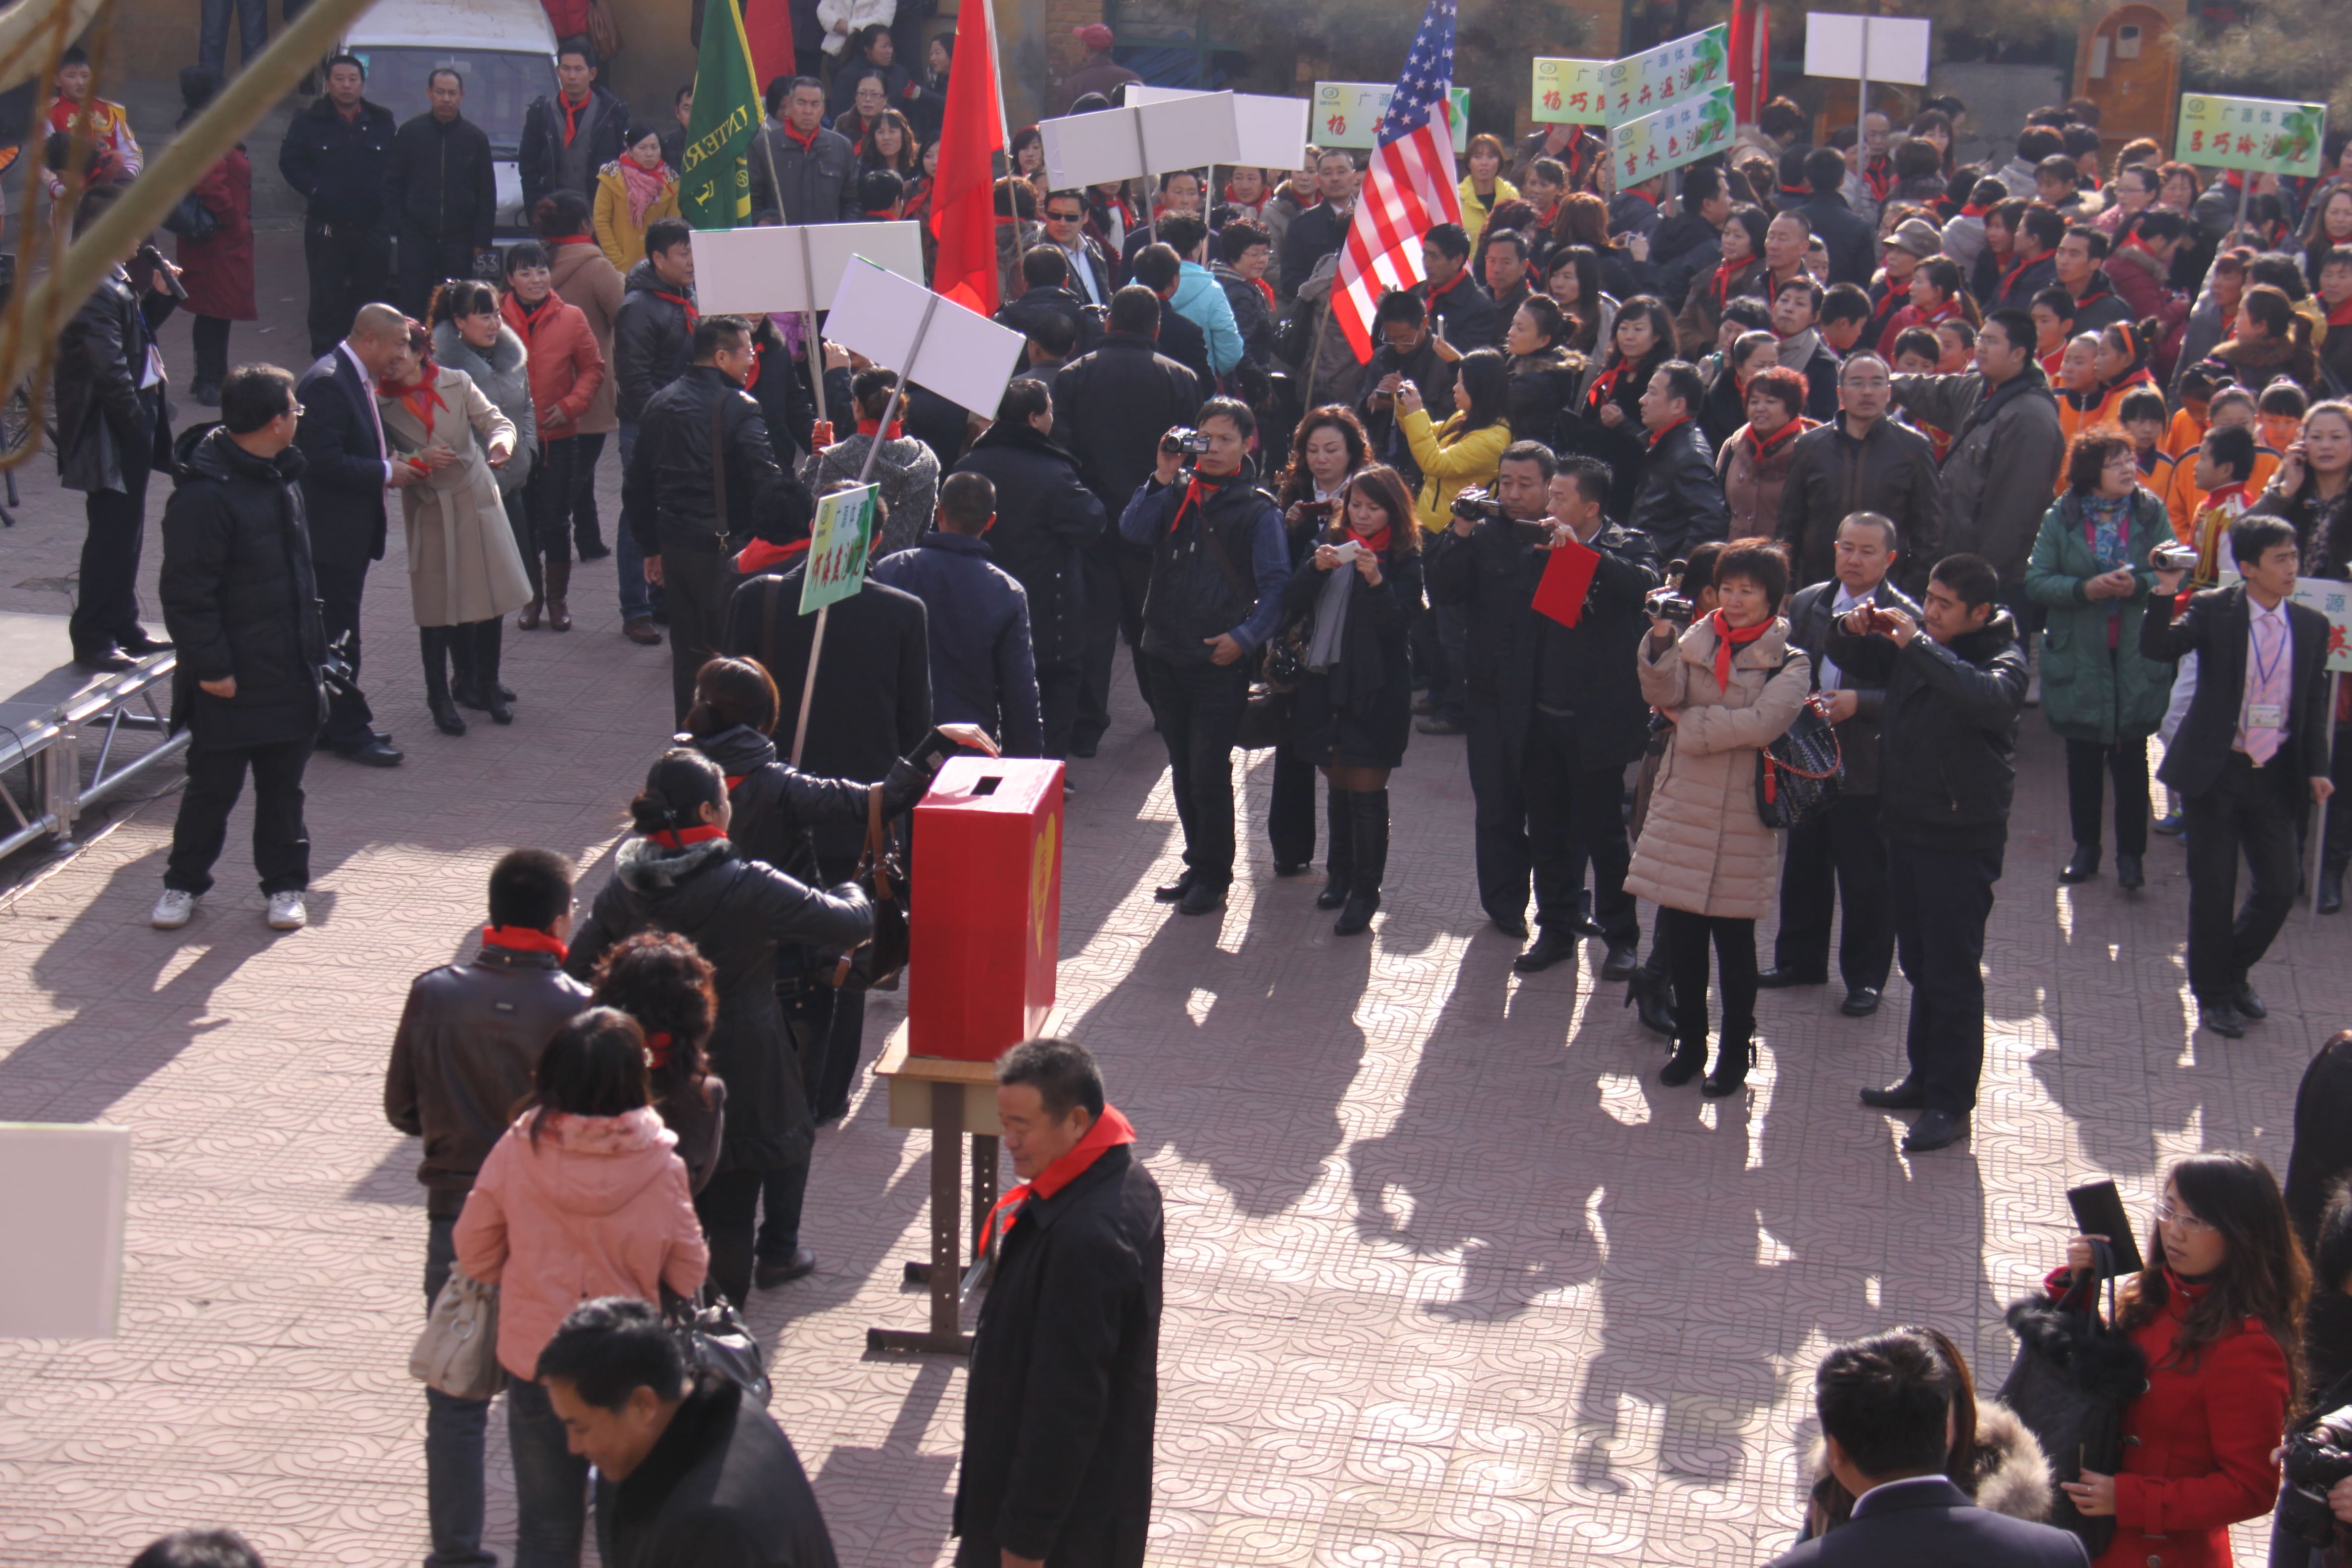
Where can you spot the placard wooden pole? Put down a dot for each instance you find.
(1151, 183)
(2245, 196)
(1315, 355)
(2319, 822)
(814, 341)
(1861, 99)
(898, 388)
(808, 683)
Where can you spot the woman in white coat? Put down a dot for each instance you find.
(464, 572)
(1730, 685)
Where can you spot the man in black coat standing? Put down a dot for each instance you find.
(2251, 752)
(335, 155)
(1839, 853)
(441, 193)
(687, 1470)
(113, 430)
(1112, 405)
(1063, 1390)
(1677, 502)
(1852, 243)
(567, 138)
(347, 465)
(1859, 461)
(242, 606)
(1045, 520)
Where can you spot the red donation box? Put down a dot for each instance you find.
(987, 919)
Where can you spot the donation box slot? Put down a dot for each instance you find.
(987, 912)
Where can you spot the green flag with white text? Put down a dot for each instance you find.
(715, 186)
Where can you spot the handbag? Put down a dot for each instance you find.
(2073, 1378)
(713, 1337)
(1802, 769)
(457, 1354)
(603, 32)
(191, 219)
(874, 964)
(1266, 719)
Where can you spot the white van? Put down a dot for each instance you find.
(505, 49)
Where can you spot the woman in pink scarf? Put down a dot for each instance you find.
(632, 191)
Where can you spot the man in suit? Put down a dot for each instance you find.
(1840, 851)
(1884, 1407)
(2253, 749)
(347, 466)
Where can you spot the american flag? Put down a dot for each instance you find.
(1410, 186)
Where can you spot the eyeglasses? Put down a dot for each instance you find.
(2180, 1219)
(1062, 217)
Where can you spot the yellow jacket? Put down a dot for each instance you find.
(623, 242)
(1451, 461)
(1474, 211)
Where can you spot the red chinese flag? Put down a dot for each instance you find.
(963, 198)
(768, 25)
(1567, 576)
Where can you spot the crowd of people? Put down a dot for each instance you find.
(1846, 451)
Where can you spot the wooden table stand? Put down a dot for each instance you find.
(950, 1098)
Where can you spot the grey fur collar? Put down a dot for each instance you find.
(645, 866)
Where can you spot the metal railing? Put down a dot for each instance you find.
(51, 749)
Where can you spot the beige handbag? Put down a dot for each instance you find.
(459, 1351)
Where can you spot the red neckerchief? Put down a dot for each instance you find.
(1669, 430)
(761, 555)
(868, 426)
(1265, 288)
(1111, 1129)
(2341, 316)
(572, 239)
(1644, 195)
(1762, 444)
(1945, 312)
(1970, 209)
(420, 397)
(806, 141)
(572, 114)
(523, 938)
(1725, 640)
(1603, 384)
(881, 215)
(657, 1045)
(1720, 290)
(1378, 544)
(2012, 271)
(2051, 361)
(1198, 492)
(752, 376)
(1437, 291)
(683, 303)
(1878, 174)
(679, 837)
(2137, 376)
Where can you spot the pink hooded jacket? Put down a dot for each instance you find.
(599, 1209)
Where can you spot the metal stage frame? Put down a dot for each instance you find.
(52, 746)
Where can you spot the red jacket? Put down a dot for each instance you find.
(217, 272)
(568, 17)
(2197, 1445)
(566, 367)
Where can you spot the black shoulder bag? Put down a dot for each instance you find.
(2074, 1376)
(1802, 769)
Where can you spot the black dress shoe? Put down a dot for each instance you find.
(1085, 748)
(1624, 957)
(2083, 866)
(1169, 893)
(767, 1274)
(1937, 1130)
(108, 659)
(2223, 1019)
(142, 645)
(2250, 1001)
(374, 752)
(1288, 867)
(1903, 1096)
(1550, 947)
(1860, 1002)
(2128, 875)
(1509, 925)
(590, 551)
(2331, 889)
(1779, 977)
(1201, 897)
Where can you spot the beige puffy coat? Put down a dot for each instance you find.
(1702, 848)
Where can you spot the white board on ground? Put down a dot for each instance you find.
(1269, 132)
(67, 1240)
(752, 271)
(1898, 47)
(1186, 132)
(963, 355)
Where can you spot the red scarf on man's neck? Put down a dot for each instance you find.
(1970, 209)
(806, 141)
(1111, 1129)
(524, 939)
(683, 303)
(1199, 491)
(572, 115)
(1726, 637)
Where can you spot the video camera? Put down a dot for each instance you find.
(1186, 443)
(2173, 558)
(2316, 1458)
(1665, 605)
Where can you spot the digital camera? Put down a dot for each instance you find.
(2174, 558)
(2316, 1458)
(1665, 605)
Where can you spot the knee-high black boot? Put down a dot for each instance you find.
(435, 643)
(1340, 859)
(489, 640)
(1368, 826)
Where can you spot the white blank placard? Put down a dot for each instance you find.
(62, 1229)
(752, 271)
(965, 357)
(1899, 47)
(1269, 132)
(1185, 131)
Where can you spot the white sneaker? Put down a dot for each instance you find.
(173, 910)
(286, 911)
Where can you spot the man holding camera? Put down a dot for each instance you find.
(1219, 559)
(1954, 679)
(1838, 853)
(2253, 743)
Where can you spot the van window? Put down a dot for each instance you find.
(499, 86)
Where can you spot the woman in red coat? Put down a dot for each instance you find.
(2218, 1314)
(566, 369)
(217, 270)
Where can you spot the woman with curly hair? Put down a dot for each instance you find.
(657, 978)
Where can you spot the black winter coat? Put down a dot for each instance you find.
(1891, 471)
(438, 182)
(239, 597)
(339, 165)
(1357, 714)
(737, 914)
(1678, 501)
(1624, 447)
(1948, 738)
(1063, 1394)
(1852, 242)
(342, 487)
(107, 427)
(670, 488)
(721, 1487)
(653, 338)
(775, 804)
(1808, 629)
(1110, 408)
(1045, 516)
(2320, 1157)
(1183, 342)
(1432, 374)
(1055, 300)
(1312, 235)
(540, 158)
